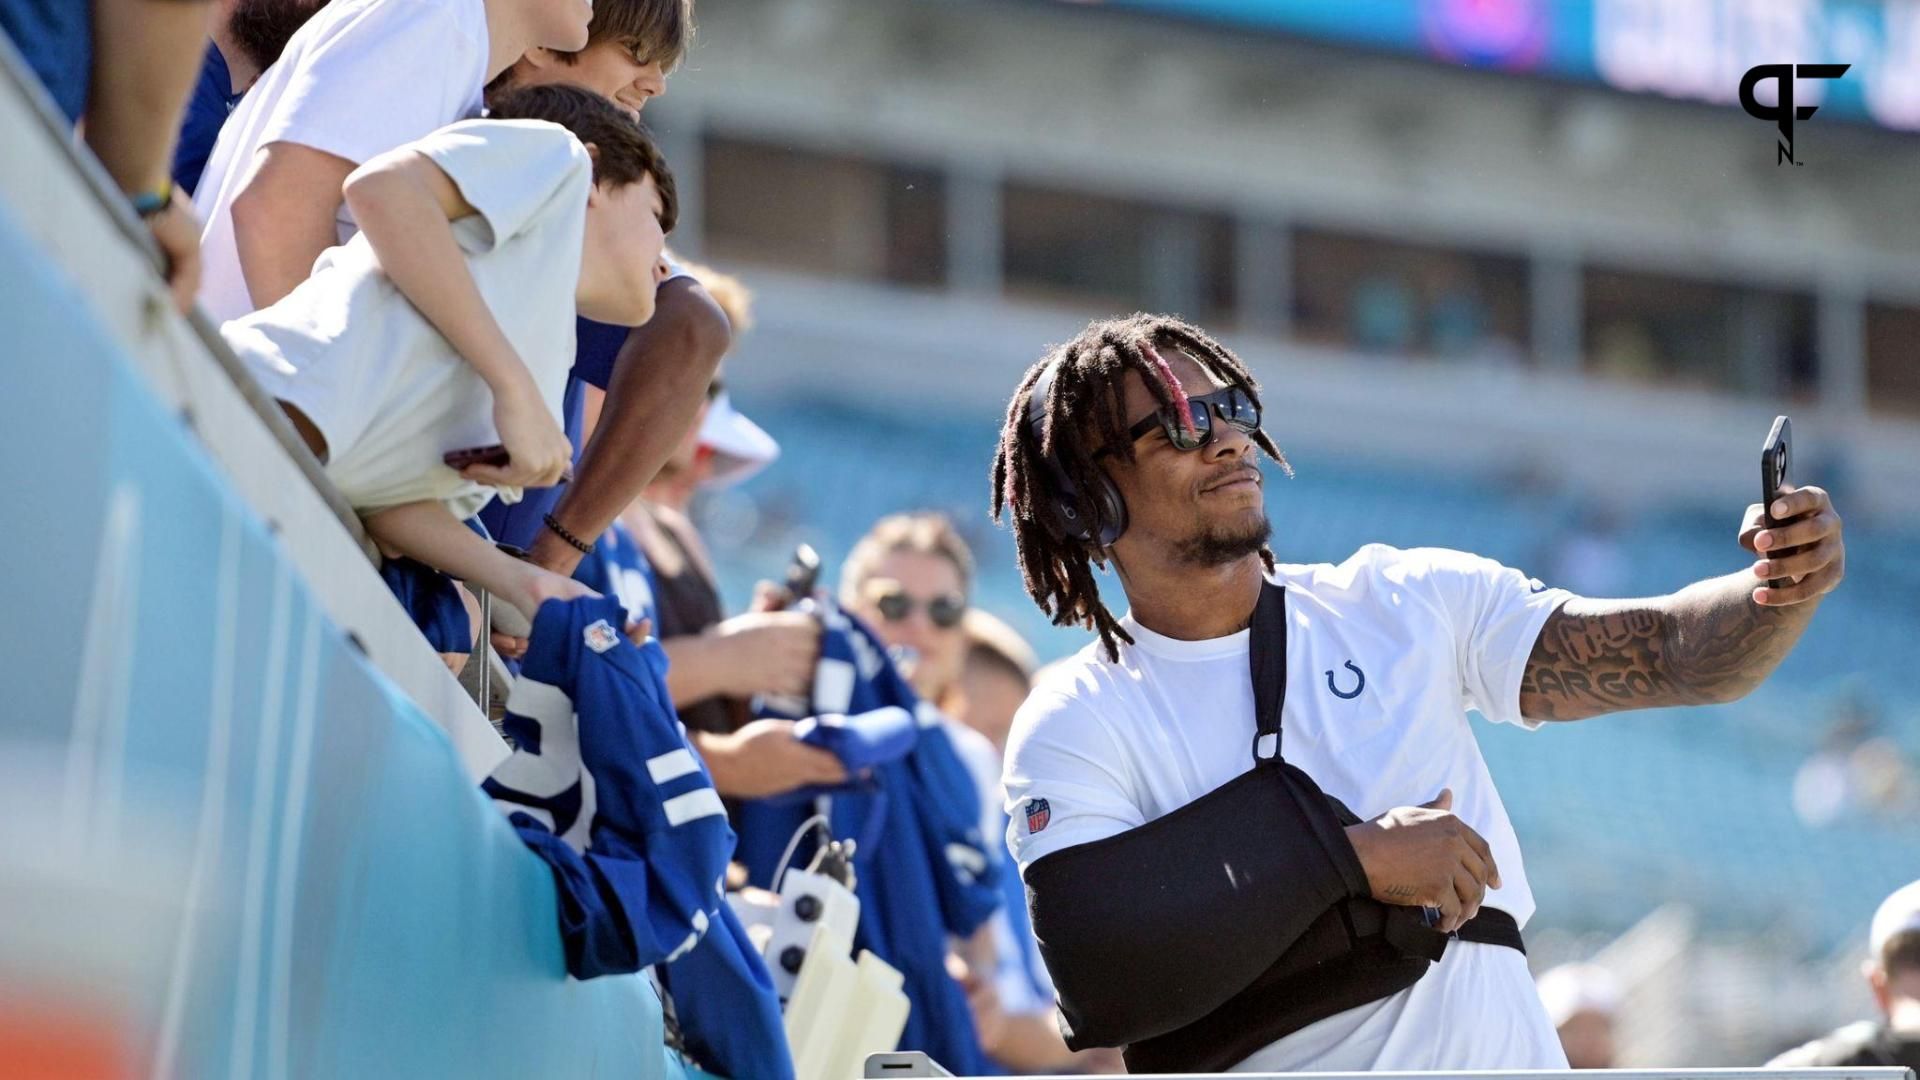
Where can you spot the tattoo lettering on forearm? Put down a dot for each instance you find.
(1708, 643)
(1400, 892)
(1584, 640)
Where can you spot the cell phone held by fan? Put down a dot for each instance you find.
(1775, 456)
(803, 573)
(495, 455)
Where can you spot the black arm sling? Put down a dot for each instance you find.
(1202, 936)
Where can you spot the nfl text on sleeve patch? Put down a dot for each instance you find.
(600, 636)
(1038, 814)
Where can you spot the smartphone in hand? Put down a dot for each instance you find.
(1774, 458)
(495, 455)
(803, 573)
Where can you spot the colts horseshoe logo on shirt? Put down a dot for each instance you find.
(1360, 682)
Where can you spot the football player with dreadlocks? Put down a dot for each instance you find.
(1254, 826)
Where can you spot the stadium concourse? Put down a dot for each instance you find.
(451, 639)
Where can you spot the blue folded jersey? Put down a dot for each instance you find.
(862, 742)
(924, 870)
(603, 785)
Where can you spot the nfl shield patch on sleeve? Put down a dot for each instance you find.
(1038, 814)
(601, 636)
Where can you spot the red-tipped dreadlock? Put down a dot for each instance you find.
(1085, 411)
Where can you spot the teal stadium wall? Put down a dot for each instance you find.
(363, 910)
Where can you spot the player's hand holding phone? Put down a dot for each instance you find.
(1796, 533)
(1424, 856)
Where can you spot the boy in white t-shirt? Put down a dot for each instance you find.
(447, 323)
(360, 78)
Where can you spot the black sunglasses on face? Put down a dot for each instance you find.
(1232, 404)
(945, 611)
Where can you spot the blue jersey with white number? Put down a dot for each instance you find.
(603, 785)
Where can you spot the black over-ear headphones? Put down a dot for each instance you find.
(1061, 515)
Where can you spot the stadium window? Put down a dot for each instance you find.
(1893, 359)
(824, 213)
(1687, 332)
(1112, 254)
(1386, 296)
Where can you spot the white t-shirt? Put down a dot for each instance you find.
(1385, 653)
(382, 385)
(360, 78)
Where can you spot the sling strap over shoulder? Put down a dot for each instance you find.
(1201, 936)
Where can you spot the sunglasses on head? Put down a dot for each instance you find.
(945, 611)
(1231, 404)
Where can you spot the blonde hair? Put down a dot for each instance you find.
(732, 294)
(990, 641)
(923, 533)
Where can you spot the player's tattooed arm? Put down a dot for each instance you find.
(1709, 643)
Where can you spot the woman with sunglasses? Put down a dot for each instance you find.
(909, 579)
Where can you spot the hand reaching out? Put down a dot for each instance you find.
(771, 652)
(764, 759)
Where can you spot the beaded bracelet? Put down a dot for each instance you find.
(560, 531)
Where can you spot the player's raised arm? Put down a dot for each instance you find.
(1709, 643)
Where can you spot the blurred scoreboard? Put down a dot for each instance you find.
(1689, 49)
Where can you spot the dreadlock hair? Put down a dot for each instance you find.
(1085, 411)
